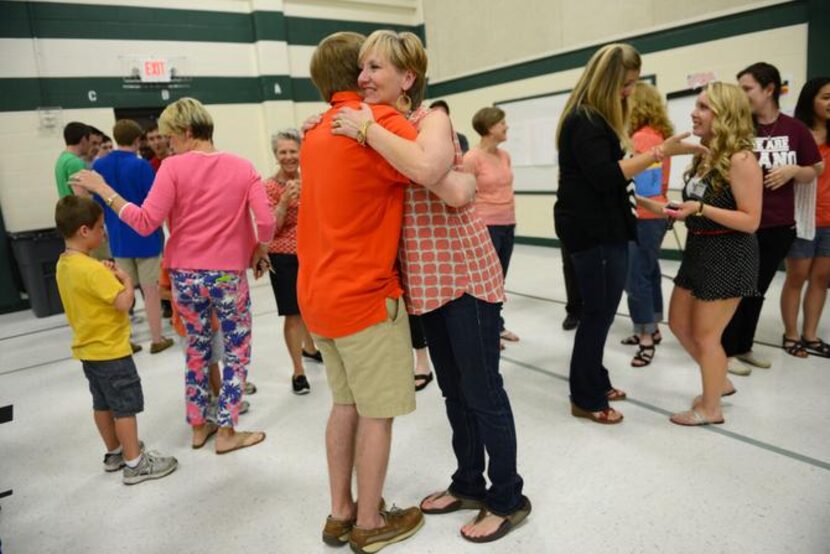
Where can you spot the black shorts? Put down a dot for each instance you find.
(284, 282)
(115, 386)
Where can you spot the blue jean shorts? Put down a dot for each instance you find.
(115, 386)
(819, 247)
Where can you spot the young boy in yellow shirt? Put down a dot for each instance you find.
(96, 297)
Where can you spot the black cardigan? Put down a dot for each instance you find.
(593, 205)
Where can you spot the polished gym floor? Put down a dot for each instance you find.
(759, 483)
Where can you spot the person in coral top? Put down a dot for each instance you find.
(809, 260)
(650, 126)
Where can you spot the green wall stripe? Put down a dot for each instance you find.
(818, 39)
(58, 20)
(772, 17)
(87, 21)
(28, 94)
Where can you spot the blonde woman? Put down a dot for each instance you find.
(650, 126)
(594, 212)
(722, 210)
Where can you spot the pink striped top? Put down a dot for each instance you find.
(209, 199)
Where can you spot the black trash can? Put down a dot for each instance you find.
(37, 254)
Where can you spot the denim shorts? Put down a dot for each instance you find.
(819, 247)
(115, 386)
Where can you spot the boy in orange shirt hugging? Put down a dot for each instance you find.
(96, 297)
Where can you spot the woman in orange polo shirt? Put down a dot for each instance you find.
(809, 260)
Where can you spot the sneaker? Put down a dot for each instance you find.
(135, 347)
(317, 356)
(114, 462)
(136, 319)
(571, 322)
(152, 466)
(250, 388)
(160, 346)
(400, 525)
(735, 368)
(300, 385)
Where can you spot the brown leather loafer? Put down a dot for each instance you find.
(399, 525)
(337, 531)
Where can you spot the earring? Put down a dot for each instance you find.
(403, 103)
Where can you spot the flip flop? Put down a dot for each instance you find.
(697, 420)
(246, 435)
(510, 522)
(425, 379)
(816, 347)
(212, 428)
(460, 503)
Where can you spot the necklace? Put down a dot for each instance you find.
(69, 250)
(774, 125)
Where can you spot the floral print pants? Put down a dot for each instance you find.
(197, 293)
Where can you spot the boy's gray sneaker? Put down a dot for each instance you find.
(114, 462)
(152, 466)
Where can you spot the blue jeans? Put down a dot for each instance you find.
(463, 341)
(503, 237)
(643, 287)
(600, 272)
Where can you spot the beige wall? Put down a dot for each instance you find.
(468, 36)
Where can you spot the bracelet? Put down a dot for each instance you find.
(111, 199)
(362, 132)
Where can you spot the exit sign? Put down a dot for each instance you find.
(155, 70)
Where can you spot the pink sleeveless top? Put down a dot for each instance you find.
(445, 252)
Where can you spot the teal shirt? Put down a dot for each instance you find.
(67, 164)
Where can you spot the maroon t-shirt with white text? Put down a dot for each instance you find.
(787, 141)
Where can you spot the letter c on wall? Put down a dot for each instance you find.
(92, 95)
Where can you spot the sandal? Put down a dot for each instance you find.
(510, 522)
(211, 430)
(793, 347)
(244, 439)
(509, 335)
(615, 395)
(603, 418)
(424, 378)
(460, 503)
(697, 419)
(644, 356)
(816, 347)
(634, 340)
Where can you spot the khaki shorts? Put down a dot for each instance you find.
(373, 368)
(143, 271)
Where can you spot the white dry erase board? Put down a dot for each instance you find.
(531, 138)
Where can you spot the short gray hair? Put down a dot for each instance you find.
(286, 134)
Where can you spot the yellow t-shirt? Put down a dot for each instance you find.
(88, 290)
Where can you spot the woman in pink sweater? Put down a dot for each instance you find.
(207, 198)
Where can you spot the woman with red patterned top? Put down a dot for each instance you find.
(283, 190)
(453, 279)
